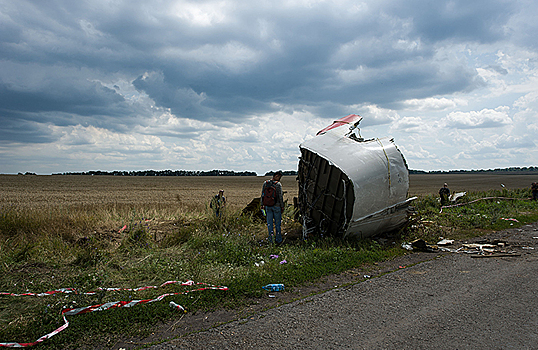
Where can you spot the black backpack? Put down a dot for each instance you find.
(269, 194)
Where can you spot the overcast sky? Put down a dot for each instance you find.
(238, 85)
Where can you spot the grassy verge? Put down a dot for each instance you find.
(83, 248)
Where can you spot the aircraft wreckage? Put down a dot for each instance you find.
(350, 186)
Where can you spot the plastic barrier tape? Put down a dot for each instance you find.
(101, 307)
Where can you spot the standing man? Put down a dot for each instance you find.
(273, 203)
(444, 193)
(218, 203)
(534, 190)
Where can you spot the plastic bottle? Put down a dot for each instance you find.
(274, 287)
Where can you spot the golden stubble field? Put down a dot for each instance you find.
(195, 192)
(184, 192)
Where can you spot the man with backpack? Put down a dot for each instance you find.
(273, 203)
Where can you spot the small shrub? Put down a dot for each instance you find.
(138, 236)
(88, 257)
(178, 238)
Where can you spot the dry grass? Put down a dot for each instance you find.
(151, 192)
(58, 203)
(90, 193)
(82, 205)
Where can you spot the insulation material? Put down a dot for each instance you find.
(349, 186)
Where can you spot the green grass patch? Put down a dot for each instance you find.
(230, 251)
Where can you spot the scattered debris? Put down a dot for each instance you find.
(495, 248)
(274, 287)
(445, 242)
(420, 244)
(457, 195)
(496, 255)
(476, 200)
(177, 306)
(407, 246)
(510, 219)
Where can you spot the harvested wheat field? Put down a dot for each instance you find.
(158, 191)
(422, 184)
(84, 205)
(191, 193)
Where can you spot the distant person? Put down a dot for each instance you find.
(218, 203)
(273, 203)
(534, 190)
(444, 193)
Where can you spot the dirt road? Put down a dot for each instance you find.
(452, 301)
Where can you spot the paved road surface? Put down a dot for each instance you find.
(453, 302)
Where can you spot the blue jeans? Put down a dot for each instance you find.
(274, 213)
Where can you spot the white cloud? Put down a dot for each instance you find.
(514, 142)
(433, 104)
(201, 14)
(486, 118)
(411, 125)
(92, 139)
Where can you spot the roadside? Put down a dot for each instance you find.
(405, 276)
(199, 321)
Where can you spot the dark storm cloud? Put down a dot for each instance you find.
(459, 20)
(304, 71)
(83, 98)
(19, 131)
(309, 56)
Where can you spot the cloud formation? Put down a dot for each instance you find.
(200, 85)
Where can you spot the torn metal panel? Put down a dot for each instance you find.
(349, 186)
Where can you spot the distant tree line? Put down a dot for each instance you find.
(511, 170)
(164, 173)
(284, 173)
(503, 171)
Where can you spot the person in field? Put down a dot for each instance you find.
(273, 203)
(534, 190)
(444, 193)
(218, 203)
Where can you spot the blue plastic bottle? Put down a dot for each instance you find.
(274, 287)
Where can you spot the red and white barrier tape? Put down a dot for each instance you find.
(105, 306)
(73, 290)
